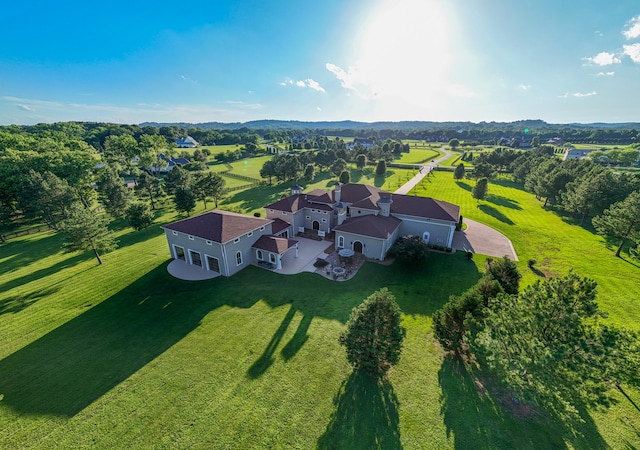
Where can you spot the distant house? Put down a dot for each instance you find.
(168, 164)
(363, 218)
(365, 143)
(577, 153)
(558, 142)
(187, 142)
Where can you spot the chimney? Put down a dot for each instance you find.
(337, 192)
(384, 203)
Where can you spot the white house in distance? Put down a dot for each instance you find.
(363, 218)
(577, 153)
(187, 142)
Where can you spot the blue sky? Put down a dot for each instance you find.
(368, 60)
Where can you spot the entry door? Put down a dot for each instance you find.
(357, 246)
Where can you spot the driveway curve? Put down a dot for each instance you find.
(480, 238)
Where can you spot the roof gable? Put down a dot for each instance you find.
(379, 227)
(218, 226)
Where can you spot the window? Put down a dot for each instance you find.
(250, 233)
(259, 255)
(262, 228)
(284, 213)
(175, 233)
(236, 240)
(179, 251)
(308, 217)
(272, 258)
(238, 258)
(208, 242)
(196, 259)
(190, 238)
(324, 220)
(213, 264)
(340, 241)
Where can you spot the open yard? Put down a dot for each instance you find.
(124, 356)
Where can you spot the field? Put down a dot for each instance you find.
(124, 356)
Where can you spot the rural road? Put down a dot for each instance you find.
(424, 171)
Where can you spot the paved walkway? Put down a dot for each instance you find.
(479, 238)
(425, 169)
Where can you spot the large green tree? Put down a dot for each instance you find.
(209, 185)
(373, 336)
(87, 231)
(139, 215)
(184, 199)
(113, 192)
(45, 196)
(480, 190)
(459, 173)
(545, 346)
(621, 220)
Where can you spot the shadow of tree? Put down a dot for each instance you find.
(17, 303)
(366, 416)
(64, 371)
(503, 201)
(45, 272)
(479, 418)
(465, 186)
(493, 212)
(266, 359)
(299, 338)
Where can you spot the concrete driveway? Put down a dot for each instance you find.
(480, 238)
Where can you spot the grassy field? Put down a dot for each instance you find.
(124, 356)
(419, 154)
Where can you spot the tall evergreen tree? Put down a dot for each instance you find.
(87, 231)
(373, 336)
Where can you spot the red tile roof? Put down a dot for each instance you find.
(278, 225)
(425, 207)
(379, 227)
(274, 244)
(218, 226)
(292, 203)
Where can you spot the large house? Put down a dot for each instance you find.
(363, 218)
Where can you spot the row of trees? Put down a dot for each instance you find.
(544, 344)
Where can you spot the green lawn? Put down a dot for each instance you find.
(419, 154)
(124, 356)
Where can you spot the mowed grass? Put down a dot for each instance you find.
(549, 238)
(418, 154)
(124, 356)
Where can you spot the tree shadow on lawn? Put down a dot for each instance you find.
(465, 186)
(481, 418)
(366, 416)
(503, 201)
(17, 303)
(45, 272)
(493, 212)
(20, 253)
(64, 371)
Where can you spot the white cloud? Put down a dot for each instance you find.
(24, 107)
(598, 33)
(353, 80)
(188, 80)
(313, 84)
(578, 94)
(605, 74)
(318, 108)
(633, 52)
(604, 59)
(633, 28)
(309, 82)
(524, 87)
(588, 94)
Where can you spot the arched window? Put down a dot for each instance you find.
(340, 241)
(259, 255)
(238, 258)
